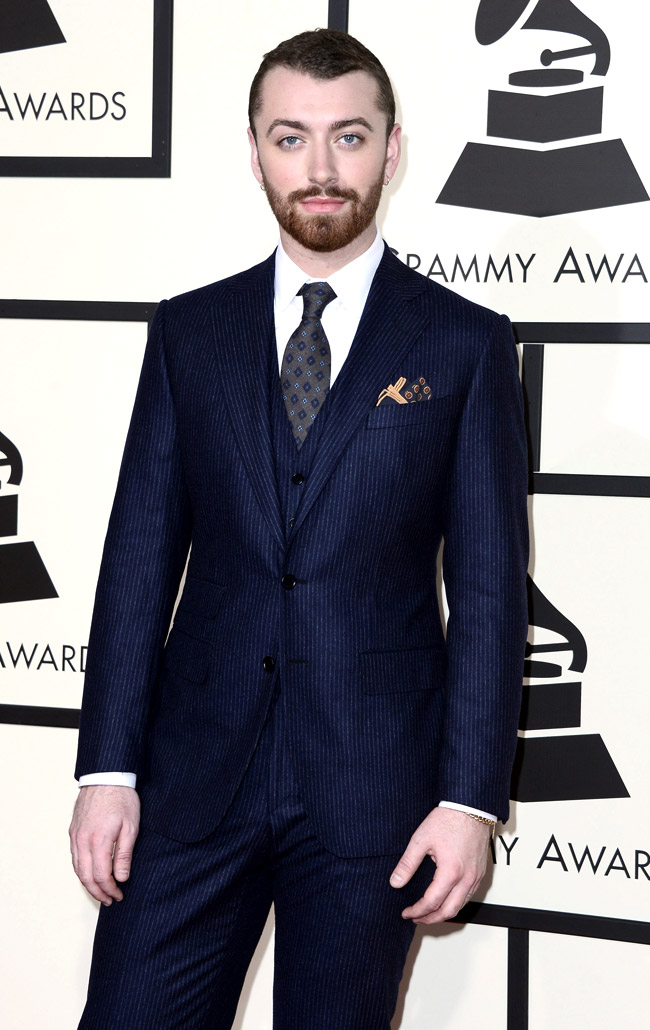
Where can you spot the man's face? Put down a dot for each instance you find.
(322, 155)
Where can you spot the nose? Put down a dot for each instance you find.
(322, 167)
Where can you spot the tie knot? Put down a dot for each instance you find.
(316, 297)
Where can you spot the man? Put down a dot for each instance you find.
(306, 736)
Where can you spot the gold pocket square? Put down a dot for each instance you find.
(400, 393)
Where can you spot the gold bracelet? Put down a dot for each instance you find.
(483, 819)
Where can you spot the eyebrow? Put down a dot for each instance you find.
(344, 123)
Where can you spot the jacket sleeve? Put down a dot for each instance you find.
(144, 555)
(484, 567)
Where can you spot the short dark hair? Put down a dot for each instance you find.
(324, 54)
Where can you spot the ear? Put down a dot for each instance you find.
(393, 150)
(255, 157)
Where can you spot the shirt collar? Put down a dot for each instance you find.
(351, 283)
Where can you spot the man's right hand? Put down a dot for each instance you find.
(103, 831)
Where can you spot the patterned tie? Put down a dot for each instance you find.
(306, 363)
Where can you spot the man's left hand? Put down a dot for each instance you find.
(458, 845)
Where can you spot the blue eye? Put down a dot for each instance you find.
(350, 139)
(289, 141)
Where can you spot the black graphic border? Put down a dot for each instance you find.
(573, 924)
(158, 165)
(38, 715)
(79, 310)
(534, 336)
(337, 14)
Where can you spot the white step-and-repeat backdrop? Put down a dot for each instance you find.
(524, 186)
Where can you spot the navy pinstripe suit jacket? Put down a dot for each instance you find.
(385, 716)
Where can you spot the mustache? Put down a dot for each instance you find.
(331, 192)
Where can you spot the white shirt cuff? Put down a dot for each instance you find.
(108, 779)
(467, 809)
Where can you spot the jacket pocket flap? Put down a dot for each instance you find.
(201, 597)
(393, 672)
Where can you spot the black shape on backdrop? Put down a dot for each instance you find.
(10, 457)
(546, 119)
(337, 15)
(542, 183)
(496, 17)
(572, 767)
(9, 515)
(554, 181)
(546, 616)
(38, 715)
(26, 24)
(518, 978)
(23, 576)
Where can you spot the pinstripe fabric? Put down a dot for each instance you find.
(384, 717)
(174, 953)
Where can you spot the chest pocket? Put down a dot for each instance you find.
(394, 416)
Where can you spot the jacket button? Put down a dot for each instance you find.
(288, 581)
(297, 478)
(268, 663)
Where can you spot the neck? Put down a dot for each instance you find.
(321, 265)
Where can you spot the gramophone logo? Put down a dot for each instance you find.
(548, 105)
(554, 767)
(25, 24)
(23, 576)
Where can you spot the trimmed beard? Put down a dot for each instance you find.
(327, 232)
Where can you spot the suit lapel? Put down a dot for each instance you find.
(244, 332)
(392, 321)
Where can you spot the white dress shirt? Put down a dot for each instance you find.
(340, 320)
(341, 317)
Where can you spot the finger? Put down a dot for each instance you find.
(449, 909)
(408, 864)
(443, 899)
(124, 853)
(434, 896)
(74, 850)
(102, 867)
(84, 870)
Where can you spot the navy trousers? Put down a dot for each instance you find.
(174, 953)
